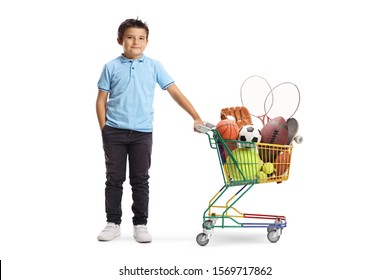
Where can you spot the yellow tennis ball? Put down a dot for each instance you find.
(262, 177)
(268, 168)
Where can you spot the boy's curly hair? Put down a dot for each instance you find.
(136, 23)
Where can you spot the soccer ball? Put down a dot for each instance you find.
(249, 133)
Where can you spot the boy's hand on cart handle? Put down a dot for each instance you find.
(197, 122)
(204, 127)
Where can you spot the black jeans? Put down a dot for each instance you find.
(119, 146)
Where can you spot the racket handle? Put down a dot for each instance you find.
(298, 139)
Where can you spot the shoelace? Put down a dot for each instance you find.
(141, 229)
(108, 228)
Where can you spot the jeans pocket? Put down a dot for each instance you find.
(104, 129)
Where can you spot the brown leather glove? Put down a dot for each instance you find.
(240, 113)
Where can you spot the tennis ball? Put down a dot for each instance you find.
(268, 168)
(262, 176)
(261, 163)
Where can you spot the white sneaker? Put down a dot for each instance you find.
(141, 234)
(109, 232)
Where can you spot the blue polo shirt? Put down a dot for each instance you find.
(131, 84)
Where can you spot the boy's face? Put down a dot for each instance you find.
(134, 42)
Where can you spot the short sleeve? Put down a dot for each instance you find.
(164, 80)
(104, 81)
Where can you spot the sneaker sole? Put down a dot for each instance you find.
(142, 241)
(108, 239)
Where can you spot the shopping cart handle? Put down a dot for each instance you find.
(206, 127)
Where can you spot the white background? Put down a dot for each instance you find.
(52, 162)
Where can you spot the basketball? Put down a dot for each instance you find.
(267, 152)
(228, 129)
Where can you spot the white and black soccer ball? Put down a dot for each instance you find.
(249, 133)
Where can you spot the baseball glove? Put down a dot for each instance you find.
(240, 113)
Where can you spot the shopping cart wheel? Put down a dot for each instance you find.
(202, 239)
(274, 228)
(273, 236)
(208, 224)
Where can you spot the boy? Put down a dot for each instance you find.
(124, 109)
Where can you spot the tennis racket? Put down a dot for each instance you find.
(256, 96)
(284, 100)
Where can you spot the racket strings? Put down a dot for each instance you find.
(253, 92)
(276, 101)
(286, 99)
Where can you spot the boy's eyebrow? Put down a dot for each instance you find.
(141, 36)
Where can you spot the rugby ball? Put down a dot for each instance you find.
(275, 132)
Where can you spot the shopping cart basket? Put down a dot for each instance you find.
(241, 167)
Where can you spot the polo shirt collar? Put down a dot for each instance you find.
(124, 59)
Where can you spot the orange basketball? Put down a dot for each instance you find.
(228, 129)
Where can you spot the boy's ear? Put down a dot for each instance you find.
(119, 40)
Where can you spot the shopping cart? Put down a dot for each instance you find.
(240, 163)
